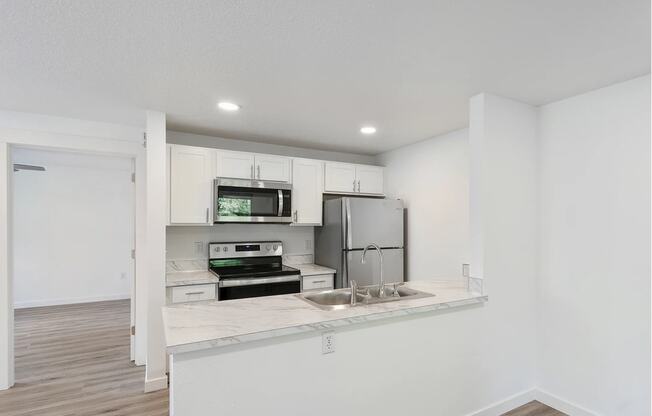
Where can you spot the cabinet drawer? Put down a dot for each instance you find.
(193, 293)
(318, 282)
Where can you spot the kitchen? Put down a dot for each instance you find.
(425, 208)
(220, 299)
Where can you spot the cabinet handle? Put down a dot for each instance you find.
(358, 185)
(252, 172)
(354, 185)
(296, 216)
(319, 281)
(207, 209)
(194, 293)
(258, 168)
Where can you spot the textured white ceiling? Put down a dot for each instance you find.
(310, 73)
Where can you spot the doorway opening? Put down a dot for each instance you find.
(73, 235)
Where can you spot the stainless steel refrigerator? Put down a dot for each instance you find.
(349, 225)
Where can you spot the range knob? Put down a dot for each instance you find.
(268, 247)
(275, 247)
(225, 248)
(216, 249)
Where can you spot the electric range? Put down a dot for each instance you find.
(252, 269)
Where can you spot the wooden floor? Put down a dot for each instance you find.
(74, 360)
(534, 408)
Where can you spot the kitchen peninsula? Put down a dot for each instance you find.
(289, 353)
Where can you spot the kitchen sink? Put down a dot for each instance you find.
(368, 295)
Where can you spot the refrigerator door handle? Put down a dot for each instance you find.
(349, 235)
(345, 269)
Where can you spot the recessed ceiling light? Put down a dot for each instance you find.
(227, 106)
(368, 130)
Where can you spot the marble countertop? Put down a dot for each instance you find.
(312, 269)
(187, 278)
(212, 324)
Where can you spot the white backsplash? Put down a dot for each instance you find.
(188, 243)
(297, 259)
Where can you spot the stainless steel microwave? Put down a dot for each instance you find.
(247, 201)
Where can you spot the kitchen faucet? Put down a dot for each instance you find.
(381, 285)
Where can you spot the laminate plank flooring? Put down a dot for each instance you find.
(73, 360)
(534, 408)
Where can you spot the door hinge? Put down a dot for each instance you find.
(133, 177)
(145, 139)
(133, 253)
(133, 330)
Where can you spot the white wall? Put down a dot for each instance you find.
(432, 179)
(272, 149)
(595, 249)
(155, 377)
(73, 228)
(181, 241)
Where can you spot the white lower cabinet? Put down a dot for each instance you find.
(318, 282)
(192, 293)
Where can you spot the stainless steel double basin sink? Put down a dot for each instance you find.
(341, 298)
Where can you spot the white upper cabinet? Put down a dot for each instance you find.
(353, 179)
(239, 165)
(307, 190)
(191, 179)
(369, 179)
(339, 177)
(243, 165)
(272, 168)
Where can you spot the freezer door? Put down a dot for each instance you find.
(378, 221)
(369, 273)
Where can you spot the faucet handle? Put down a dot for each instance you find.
(396, 285)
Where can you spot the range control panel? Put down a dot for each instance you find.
(247, 249)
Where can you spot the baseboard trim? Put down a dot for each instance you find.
(503, 406)
(562, 405)
(67, 301)
(519, 399)
(159, 383)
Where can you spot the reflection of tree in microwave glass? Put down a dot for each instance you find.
(234, 207)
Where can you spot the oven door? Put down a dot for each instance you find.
(256, 287)
(252, 201)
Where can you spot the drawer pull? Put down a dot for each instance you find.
(318, 281)
(194, 293)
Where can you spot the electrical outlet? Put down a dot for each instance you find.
(465, 270)
(123, 275)
(199, 247)
(327, 342)
(308, 244)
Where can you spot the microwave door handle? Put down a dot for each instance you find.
(280, 203)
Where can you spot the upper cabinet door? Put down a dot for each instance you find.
(370, 179)
(339, 177)
(307, 189)
(191, 179)
(239, 165)
(272, 168)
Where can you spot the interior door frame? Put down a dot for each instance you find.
(90, 144)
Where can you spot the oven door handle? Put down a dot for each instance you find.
(259, 281)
